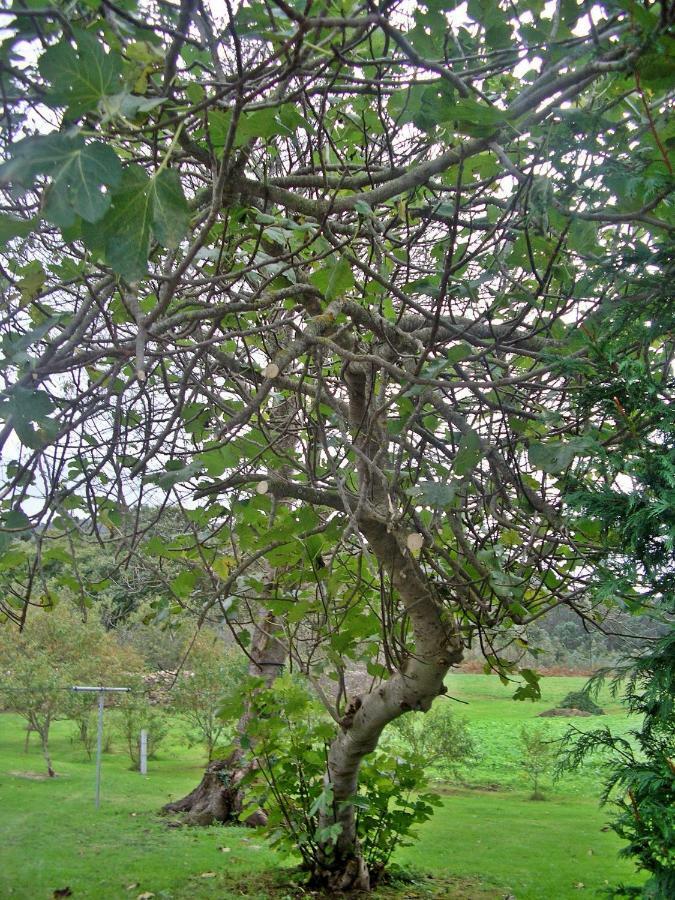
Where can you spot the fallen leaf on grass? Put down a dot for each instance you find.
(145, 896)
(225, 849)
(579, 885)
(130, 887)
(208, 875)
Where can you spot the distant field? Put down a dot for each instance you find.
(481, 843)
(496, 720)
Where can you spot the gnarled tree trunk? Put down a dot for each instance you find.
(437, 646)
(217, 797)
(414, 687)
(214, 799)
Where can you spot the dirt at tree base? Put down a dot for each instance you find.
(285, 884)
(32, 776)
(567, 712)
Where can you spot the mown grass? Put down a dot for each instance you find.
(480, 844)
(496, 721)
(533, 851)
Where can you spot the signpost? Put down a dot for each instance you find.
(101, 691)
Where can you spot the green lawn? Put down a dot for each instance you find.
(53, 837)
(536, 851)
(496, 721)
(485, 843)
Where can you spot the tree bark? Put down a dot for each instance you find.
(437, 646)
(414, 687)
(217, 797)
(44, 738)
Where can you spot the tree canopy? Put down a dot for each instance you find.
(330, 278)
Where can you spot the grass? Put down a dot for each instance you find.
(534, 851)
(496, 720)
(52, 836)
(480, 844)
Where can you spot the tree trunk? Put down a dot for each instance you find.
(437, 647)
(85, 736)
(44, 737)
(217, 798)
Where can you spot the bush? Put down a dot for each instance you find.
(162, 647)
(537, 756)
(289, 737)
(393, 798)
(104, 662)
(215, 673)
(86, 729)
(440, 740)
(581, 700)
(136, 713)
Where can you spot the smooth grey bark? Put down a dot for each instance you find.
(414, 687)
(437, 645)
(43, 731)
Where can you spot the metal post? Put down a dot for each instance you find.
(101, 691)
(99, 748)
(144, 751)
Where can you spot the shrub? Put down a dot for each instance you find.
(537, 756)
(581, 700)
(136, 713)
(289, 737)
(198, 695)
(439, 740)
(104, 662)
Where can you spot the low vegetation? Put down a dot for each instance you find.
(581, 700)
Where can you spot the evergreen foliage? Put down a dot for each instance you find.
(631, 386)
(640, 767)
